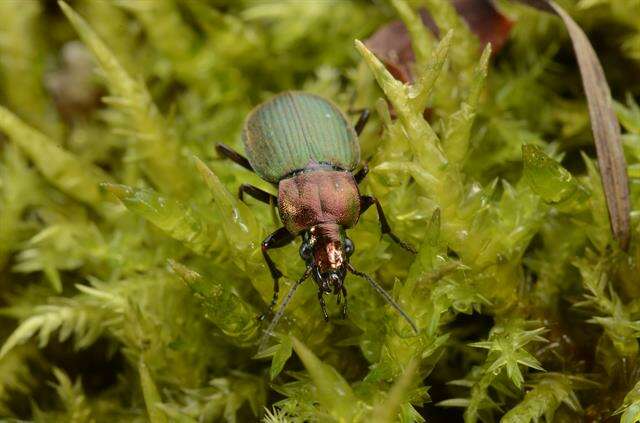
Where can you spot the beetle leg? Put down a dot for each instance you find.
(359, 176)
(256, 193)
(344, 305)
(365, 202)
(234, 156)
(278, 239)
(362, 121)
(323, 306)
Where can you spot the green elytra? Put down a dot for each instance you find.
(295, 129)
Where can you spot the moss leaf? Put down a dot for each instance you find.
(545, 176)
(334, 393)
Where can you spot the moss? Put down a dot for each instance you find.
(120, 229)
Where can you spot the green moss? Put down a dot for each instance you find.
(131, 276)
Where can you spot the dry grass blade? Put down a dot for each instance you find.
(604, 124)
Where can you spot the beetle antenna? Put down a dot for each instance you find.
(280, 311)
(384, 295)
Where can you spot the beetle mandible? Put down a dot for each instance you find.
(304, 144)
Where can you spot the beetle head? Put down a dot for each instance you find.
(326, 250)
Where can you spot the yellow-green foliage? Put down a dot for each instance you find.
(131, 275)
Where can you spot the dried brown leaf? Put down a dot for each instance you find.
(392, 42)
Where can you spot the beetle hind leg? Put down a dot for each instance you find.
(364, 114)
(362, 121)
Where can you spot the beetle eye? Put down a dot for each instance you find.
(349, 248)
(305, 251)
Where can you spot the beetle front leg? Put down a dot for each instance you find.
(365, 202)
(344, 305)
(341, 292)
(323, 306)
(278, 239)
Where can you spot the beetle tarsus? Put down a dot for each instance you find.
(283, 306)
(401, 243)
(274, 301)
(323, 306)
(344, 305)
(365, 202)
(278, 239)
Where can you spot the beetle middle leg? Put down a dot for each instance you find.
(365, 202)
(359, 176)
(234, 156)
(256, 193)
(278, 239)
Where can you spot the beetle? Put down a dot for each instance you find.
(304, 145)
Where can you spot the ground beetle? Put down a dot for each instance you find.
(305, 145)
